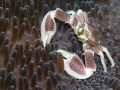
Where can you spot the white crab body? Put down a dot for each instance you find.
(85, 33)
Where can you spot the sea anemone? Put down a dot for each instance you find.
(26, 65)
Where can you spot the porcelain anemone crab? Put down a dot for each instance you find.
(85, 33)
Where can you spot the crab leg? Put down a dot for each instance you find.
(102, 60)
(74, 66)
(89, 60)
(82, 16)
(97, 51)
(100, 53)
(108, 54)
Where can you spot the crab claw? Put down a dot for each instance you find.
(48, 28)
(74, 66)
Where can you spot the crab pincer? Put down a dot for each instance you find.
(48, 26)
(74, 66)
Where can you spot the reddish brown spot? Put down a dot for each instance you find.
(94, 33)
(77, 66)
(81, 17)
(89, 60)
(62, 16)
(95, 50)
(91, 43)
(100, 47)
(74, 22)
(49, 24)
(76, 16)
